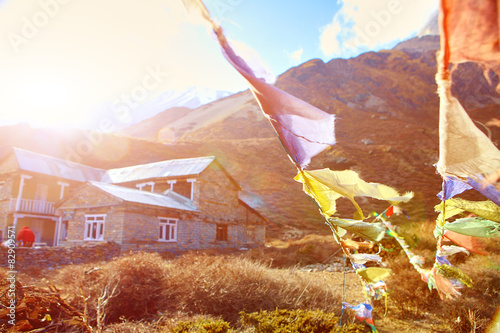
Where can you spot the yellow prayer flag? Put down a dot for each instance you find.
(374, 274)
(485, 209)
(326, 186)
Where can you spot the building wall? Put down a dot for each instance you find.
(113, 225)
(89, 196)
(6, 184)
(217, 197)
(135, 226)
(9, 189)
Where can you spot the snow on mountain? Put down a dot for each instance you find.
(191, 98)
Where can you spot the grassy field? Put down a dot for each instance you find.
(261, 290)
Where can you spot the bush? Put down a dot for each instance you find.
(469, 312)
(311, 249)
(139, 286)
(475, 308)
(224, 286)
(300, 321)
(131, 327)
(130, 287)
(202, 325)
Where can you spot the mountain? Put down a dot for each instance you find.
(191, 98)
(431, 27)
(180, 121)
(386, 109)
(387, 127)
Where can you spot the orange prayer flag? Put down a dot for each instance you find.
(469, 31)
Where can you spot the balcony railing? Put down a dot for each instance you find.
(32, 206)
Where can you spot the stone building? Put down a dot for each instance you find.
(170, 205)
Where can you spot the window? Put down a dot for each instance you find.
(149, 187)
(94, 227)
(251, 233)
(168, 230)
(221, 232)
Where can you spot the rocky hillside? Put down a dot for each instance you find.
(387, 130)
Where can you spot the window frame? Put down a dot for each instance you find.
(173, 228)
(88, 222)
(223, 236)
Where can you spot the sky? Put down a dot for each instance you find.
(76, 63)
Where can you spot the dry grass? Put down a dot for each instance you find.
(146, 287)
(410, 298)
(310, 249)
(208, 292)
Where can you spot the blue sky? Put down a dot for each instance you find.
(68, 62)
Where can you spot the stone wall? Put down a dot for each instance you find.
(53, 257)
(6, 184)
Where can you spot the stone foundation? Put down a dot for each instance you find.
(53, 257)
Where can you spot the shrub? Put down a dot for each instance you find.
(130, 287)
(202, 325)
(139, 286)
(475, 308)
(300, 321)
(224, 286)
(408, 293)
(469, 312)
(311, 249)
(131, 327)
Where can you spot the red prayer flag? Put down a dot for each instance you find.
(470, 32)
(473, 244)
(303, 129)
(389, 211)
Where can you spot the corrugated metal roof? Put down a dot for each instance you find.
(52, 166)
(170, 168)
(168, 199)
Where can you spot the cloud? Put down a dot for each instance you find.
(361, 25)
(295, 57)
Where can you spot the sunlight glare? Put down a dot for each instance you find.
(44, 98)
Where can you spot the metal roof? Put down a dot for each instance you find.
(170, 168)
(168, 200)
(52, 166)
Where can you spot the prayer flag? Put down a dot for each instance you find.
(370, 231)
(473, 244)
(475, 227)
(362, 312)
(485, 209)
(451, 187)
(374, 274)
(444, 286)
(303, 129)
(326, 186)
(464, 151)
(469, 31)
(488, 190)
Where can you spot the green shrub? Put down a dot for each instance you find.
(299, 321)
(202, 325)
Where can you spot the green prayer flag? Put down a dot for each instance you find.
(473, 226)
(371, 231)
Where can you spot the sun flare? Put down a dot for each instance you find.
(43, 97)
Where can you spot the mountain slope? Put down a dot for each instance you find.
(387, 117)
(387, 127)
